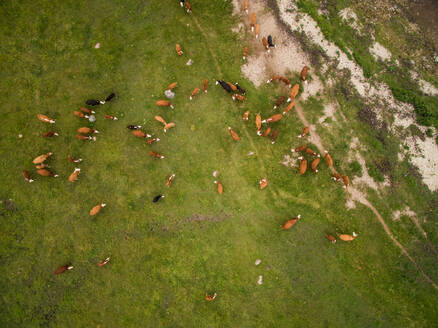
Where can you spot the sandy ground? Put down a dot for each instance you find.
(380, 52)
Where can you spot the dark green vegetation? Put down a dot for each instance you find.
(165, 257)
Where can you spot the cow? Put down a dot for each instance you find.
(289, 107)
(310, 151)
(96, 209)
(178, 49)
(150, 141)
(346, 180)
(157, 198)
(266, 133)
(233, 134)
(45, 119)
(81, 137)
(210, 297)
(285, 81)
(85, 130)
(305, 132)
(133, 127)
(346, 237)
(263, 183)
(273, 118)
(156, 155)
(169, 180)
(289, 223)
(40, 159)
(168, 126)
(46, 173)
(160, 119)
(275, 77)
(336, 176)
(220, 188)
(273, 136)
(314, 164)
(164, 103)
(299, 149)
(41, 166)
(270, 43)
(303, 165)
(63, 268)
(27, 177)
(246, 115)
(252, 21)
(265, 43)
(188, 7)
(172, 86)
(102, 263)
(205, 85)
(258, 122)
(224, 85)
(303, 74)
(257, 29)
(232, 86)
(194, 93)
(94, 102)
(74, 176)
(110, 117)
(328, 159)
(241, 90)
(245, 6)
(181, 2)
(293, 92)
(238, 97)
(140, 134)
(87, 111)
(245, 52)
(331, 238)
(279, 102)
(79, 114)
(50, 134)
(74, 160)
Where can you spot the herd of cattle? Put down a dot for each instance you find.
(237, 92)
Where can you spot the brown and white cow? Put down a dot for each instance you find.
(27, 177)
(314, 164)
(328, 159)
(194, 93)
(210, 297)
(172, 86)
(233, 134)
(205, 85)
(303, 165)
(160, 119)
(245, 53)
(96, 209)
(140, 134)
(152, 140)
(168, 126)
(346, 180)
(164, 103)
(79, 114)
(169, 180)
(238, 97)
(156, 155)
(293, 92)
(74, 160)
(346, 237)
(102, 263)
(85, 130)
(310, 151)
(220, 188)
(81, 137)
(303, 74)
(245, 6)
(331, 238)
(299, 149)
(178, 49)
(273, 118)
(273, 136)
(266, 133)
(63, 268)
(87, 111)
(257, 30)
(110, 117)
(265, 43)
(40, 159)
(289, 223)
(275, 77)
(252, 21)
(50, 134)
(263, 183)
(74, 176)
(46, 173)
(285, 81)
(45, 119)
(246, 115)
(279, 102)
(304, 132)
(289, 107)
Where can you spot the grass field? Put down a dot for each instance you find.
(166, 256)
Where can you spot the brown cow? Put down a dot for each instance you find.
(164, 103)
(110, 117)
(102, 263)
(336, 176)
(273, 118)
(210, 297)
(345, 237)
(331, 238)
(293, 92)
(160, 119)
(285, 81)
(314, 164)
(275, 77)
(346, 180)
(45, 119)
(238, 97)
(168, 126)
(252, 21)
(27, 177)
(265, 43)
(245, 6)
(86, 130)
(246, 115)
(169, 180)
(74, 160)
(81, 137)
(233, 134)
(263, 183)
(289, 223)
(140, 134)
(305, 132)
(74, 176)
(87, 111)
(279, 102)
(328, 159)
(303, 165)
(150, 141)
(41, 166)
(156, 155)
(258, 122)
(46, 173)
(310, 151)
(257, 29)
(172, 86)
(178, 49)
(232, 86)
(245, 52)
(79, 114)
(289, 107)
(273, 136)
(41, 158)
(50, 134)
(188, 7)
(96, 209)
(63, 269)
(194, 93)
(205, 85)
(220, 188)
(299, 149)
(303, 73)
(266, 133)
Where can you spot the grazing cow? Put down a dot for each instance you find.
(140, 134)
(171, 86)
(41, 158)
(271, 44)
(157, 198)
(87, 111)
(241, 90)
(178, 49)
(79, 114)
(266, 133)
(81, 137)
(273, 136)
(45, 119)
(245, 52)
(150, 141)
(210, 297)
(263, 183)
(133, 127)
(50, 134)
(160, 119)
(94, 102)
(336, 176)
(303, 165)
(73, 177)
(110, 117)
(289, 223)
(279, 102)
(224, 85)
(331, 238)
(188, 7)
(304, 72)
(234, 134)
(46, 173)
(63, 269)
(258, 122)
(102, 263)
(96, 209)
(252, 21)
(305, 132)
(314, 164)
(85, 130)
(345, 237)
(257, 29)
(181, 2)
(41, 166)
(273, 118)
(205, 85)
(293, 92)
(238, 97)
(310, 151)
(346, 180)
(168, 126)
(220, 188)
(328, 159)
(285, 81)
(169, 180)
(265, 43)
(299, 149)
(275, 77)
(164, 103)
(194, 93)
(289, 107)
(232, 86)
(245, 6)
(27, 177)
(156, 155)
(74, 160)
(246, 115)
